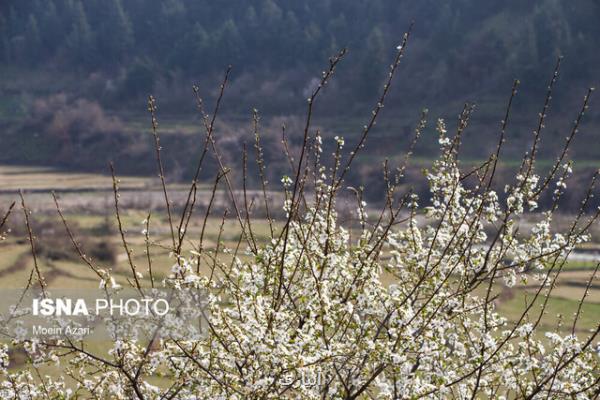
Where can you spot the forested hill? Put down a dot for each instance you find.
(461, 48)
(74, 74)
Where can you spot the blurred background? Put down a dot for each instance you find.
(75, 76)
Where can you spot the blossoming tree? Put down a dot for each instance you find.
(309, 314)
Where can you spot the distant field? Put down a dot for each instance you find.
(89, 193)
(88, 205)
(13, 178)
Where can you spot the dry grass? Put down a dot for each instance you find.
(13, 178)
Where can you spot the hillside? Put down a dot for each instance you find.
(76, 73)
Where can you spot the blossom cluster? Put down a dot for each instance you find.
(395, 310)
